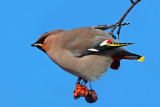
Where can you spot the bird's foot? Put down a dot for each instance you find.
(81, 90)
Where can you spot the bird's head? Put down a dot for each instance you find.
(40, 43)
(44, 42)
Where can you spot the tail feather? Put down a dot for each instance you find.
(127, 55)
(135, 57)
(141, 59)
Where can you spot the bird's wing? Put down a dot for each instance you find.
(84, 41)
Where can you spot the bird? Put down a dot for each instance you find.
(85, 52)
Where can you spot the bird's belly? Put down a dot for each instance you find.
(89, 67)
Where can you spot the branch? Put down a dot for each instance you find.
(105, 27)
(123, 17)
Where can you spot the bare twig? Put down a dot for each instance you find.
(123, 17)
(118, 32)
(132, 1)
(105, 27)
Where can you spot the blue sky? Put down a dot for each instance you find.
(28, 78)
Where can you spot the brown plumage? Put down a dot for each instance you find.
(78, 51)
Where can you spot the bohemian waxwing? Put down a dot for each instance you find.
(85, 52)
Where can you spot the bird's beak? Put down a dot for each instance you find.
(35, 44)
(39, 46)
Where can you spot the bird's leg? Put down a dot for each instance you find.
(85, 82)
(79, 80)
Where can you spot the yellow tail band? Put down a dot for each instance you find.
(141, 59)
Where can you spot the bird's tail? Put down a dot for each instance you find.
(124, 55)
(127, 55)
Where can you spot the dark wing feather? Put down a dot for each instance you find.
(86, 40)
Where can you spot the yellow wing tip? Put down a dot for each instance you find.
(120, 44)
(141, 59)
